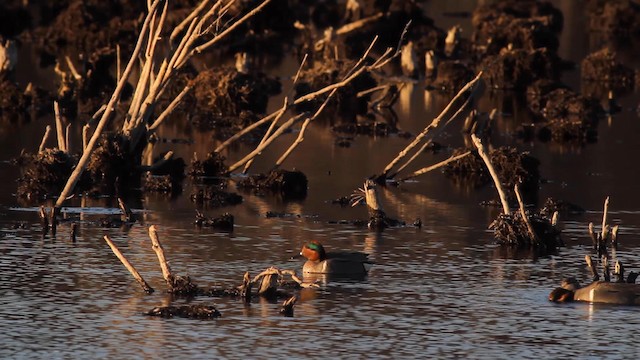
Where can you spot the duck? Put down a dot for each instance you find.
(618, 293)
(337, 263)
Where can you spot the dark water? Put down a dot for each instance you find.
(440, 291)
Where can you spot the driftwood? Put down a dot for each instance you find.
(148, 289)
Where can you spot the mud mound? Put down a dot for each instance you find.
(185, 311)
(290, 184)
(518, 68)
(620, 18)
(512, 230)
(111, 167)
(215, 197)
(512, 166)
(212, 166)
(570, 117)
(227, 92)
(605, 72)
(44, 174)
(451, 76)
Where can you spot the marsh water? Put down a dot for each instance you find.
(442, 290)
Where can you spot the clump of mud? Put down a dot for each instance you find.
(211, 167)
(619, 18)
(227, 92)
(215, 196)
(223, 222)
(518, 68)
(199, 311)
(524, 25)
(570, 117)
(451, 76)
(290, 184)
(87, 25)
(512, 230)
(552, 205)
(43, 174)
(14, 104)
(603, 72)
(512, 166)
(111, 167)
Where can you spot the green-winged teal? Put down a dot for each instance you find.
(338, 263)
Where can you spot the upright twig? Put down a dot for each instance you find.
(157, 247)
(604, 219)
(45, 138)
(494, 175)
(59, 130)
(523, 213)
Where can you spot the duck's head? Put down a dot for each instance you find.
(566, 290)
(561, 295)
(313, 251)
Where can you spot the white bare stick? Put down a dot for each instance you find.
(45, 138)
(604, 219)
(172, 106)
(67, 139)
(246, 130)
(136, 275)
(178, 29)
(59, 130)
(525, 218)
(496, 180)
(118, 68)
(85, 136)
(269, 131)
(72, 68)
(157, 247)
(434, 167)
(308, 120)
(463, 108)
(268, 142)
(471, 85)
(75, 175)
(219, 37)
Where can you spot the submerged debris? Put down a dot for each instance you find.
(290, 184)
(222, 222)
(511, 229)
(212, 166)
(603, 72)
(511, 165)
(199, 311)
(214, 196)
